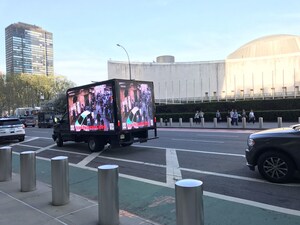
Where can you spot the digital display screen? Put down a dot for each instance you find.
(91, 108)
(136, 104)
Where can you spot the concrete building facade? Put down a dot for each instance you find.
(268, 67)
(29, 50)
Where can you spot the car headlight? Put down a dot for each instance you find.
(251, 142)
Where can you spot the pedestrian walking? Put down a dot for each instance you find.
(231, 116)
(251, 117)
(235, 118)
(244, 114)
(218, 116)
(201, 115)
(197, 117)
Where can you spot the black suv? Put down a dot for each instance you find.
(275, 152)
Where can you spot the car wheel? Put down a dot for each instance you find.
(276, 167)
(95, 145)
(59, 141)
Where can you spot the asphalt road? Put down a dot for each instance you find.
(213, 156)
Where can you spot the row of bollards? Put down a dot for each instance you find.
(215, 122)
(188, 192)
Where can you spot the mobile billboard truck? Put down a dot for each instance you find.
(116, 112)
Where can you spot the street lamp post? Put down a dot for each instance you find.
(128, 60)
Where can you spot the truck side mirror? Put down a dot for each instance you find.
(56, 120)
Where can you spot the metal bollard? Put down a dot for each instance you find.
(228, 122)
(279, 120)
(215, 122)
(28, 171)
(244, 122)
(171, 122)
(60, 180)
(166, 122)
(202, 122)
(5, 163)
(108, 195)
(180, 122)
(191, 122)
(189, 202)
(161, 122)
(261, 122)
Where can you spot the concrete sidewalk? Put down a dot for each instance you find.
(35, 207)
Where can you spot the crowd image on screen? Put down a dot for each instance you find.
(136, 105)
(92, 109)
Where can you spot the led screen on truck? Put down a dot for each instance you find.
(91, 108)
(136, 104)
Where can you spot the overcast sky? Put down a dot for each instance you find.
(85, 33)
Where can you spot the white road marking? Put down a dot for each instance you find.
(45, 148)
(38, 137)
(132, 161)
(217, 136)
(88, 159)
(178, 139)
(210, 194)
(195, 151)
(211, 153)
(20, 143)
(223, 175)
(77, 153)
(173, 169)
(253, 203)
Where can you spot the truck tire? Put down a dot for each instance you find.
(59, 141)
(95, 144)
(126, 144)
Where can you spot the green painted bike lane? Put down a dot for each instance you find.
(157, 203)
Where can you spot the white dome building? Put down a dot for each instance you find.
(267, 67)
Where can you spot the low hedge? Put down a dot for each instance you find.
(268, 116)
(288, 109)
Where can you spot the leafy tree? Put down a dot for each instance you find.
(2, 95)
(26, 90)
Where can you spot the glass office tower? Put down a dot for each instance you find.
(29, 50)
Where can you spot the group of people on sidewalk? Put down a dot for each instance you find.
(233, 115)
(198, 116)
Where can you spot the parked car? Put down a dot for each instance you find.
(28, 121)
(11, 129)
(275, 152)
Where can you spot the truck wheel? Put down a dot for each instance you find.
(95, 145)
(126, 144)
(59, 141)
(276, 167)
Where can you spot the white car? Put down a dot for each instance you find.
(83, 123)
(12, 129)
